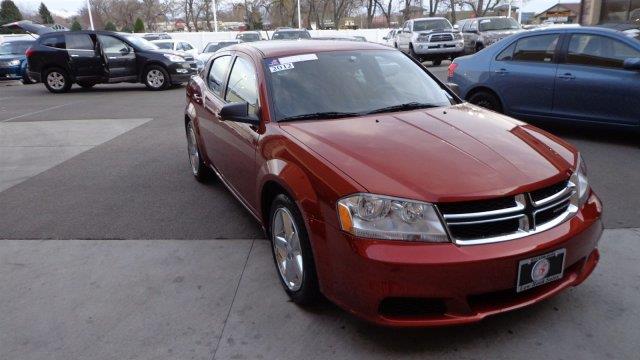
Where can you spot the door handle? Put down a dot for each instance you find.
(566, 76)
(501, 71)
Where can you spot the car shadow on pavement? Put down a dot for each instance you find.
(595, 133)
(101, 88)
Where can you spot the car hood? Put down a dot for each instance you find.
(442, 154)
(12, 57)
(500, 33)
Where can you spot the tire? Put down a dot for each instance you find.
(437, 62)
(198, 168)
(56, 80)
(86, 85)
(299, 282)
(395, 45)
(26, 79)
(487, 100)
(156, 78)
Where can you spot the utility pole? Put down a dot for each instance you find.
(299, 20)
(215, 16)
(90, 17)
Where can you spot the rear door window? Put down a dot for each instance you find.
(217, 72)
(56, 41)
(507, 54)
(601, 51)
(79, 42)
(540, 48)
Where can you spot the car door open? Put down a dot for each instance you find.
(120, 57)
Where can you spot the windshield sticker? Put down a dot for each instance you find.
(298, 58)
(281, 67)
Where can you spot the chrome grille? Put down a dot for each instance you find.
(441, 37)
(509, 218)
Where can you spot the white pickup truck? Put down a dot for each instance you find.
(432, 39)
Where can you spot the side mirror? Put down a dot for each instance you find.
(238, 112)
(456, 27)
(125, 51)
(631, 64)
(407, 30)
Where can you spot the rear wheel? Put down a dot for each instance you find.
(487, 100)
(26, 79)
(57, 80)
(292, 251)
(156, 78)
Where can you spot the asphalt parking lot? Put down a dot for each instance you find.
(113, 251)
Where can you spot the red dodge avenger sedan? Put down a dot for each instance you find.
(381, 190)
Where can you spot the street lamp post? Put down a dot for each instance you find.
(215, 16)
(90, 17)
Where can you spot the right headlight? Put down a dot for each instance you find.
(174, 58)
(385, 217)
(579, 179)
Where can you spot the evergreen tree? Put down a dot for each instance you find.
(9, 12)
(45, 15)
(75, 26)
(110, 26)
(138, 26)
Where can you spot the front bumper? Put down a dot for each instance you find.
(11, 72)
(433, 48)
(455, 284)
(182, 72)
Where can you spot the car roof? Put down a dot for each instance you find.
(164, 41)
(590, 29)
(273, 48)
(290, 30)
(429, 18)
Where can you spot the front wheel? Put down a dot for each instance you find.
(413, 53)
(57, 80)
(26, 79)
(292, 251)
(156, 78)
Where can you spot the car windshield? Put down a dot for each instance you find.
(291, 35)
(353, 82)
(215, 47)
(435, 24)
(141, 43)
(498, 24)
(252, 37)
(10, 48)
(164, 45)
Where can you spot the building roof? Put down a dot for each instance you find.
(573, 7)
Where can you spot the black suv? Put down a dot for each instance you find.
(60, 59)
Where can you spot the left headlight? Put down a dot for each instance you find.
(579, 179)
(14, 62)
(174, 58)
(384, 217)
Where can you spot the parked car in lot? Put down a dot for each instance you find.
(177, 45)
(211, 48)
(390, 38)
(394, 199)
(156, 36)
(13, 61)
(432, 39)
(481, 32)
(290, 34)
(93, 57)
(249, 36)
(585, 74)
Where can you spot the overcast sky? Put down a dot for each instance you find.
(68, 7)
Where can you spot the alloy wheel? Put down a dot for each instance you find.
(56, 80)
(287, 249)
(155, 78)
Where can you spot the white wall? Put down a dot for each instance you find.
(201, 39)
